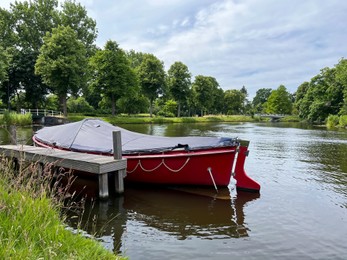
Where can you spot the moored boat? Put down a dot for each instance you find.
(192, 160)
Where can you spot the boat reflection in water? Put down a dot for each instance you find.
(184, 213)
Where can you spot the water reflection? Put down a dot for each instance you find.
(182, 213)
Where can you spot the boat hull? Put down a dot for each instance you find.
(208, 167)
(205, 168)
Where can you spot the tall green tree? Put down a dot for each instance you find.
(234, 101)
(62, 62)
(74, 15)
(179, 82)
(152, 75)
(4, 63)
(341, 78)
(203, 87)
(279, 101)
(261, 96)
(112, 73)
(319, 98)
(24, 26)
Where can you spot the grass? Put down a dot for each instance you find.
(13, 118)
(32, 225)
(143, 119)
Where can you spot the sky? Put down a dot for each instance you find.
(251, 43)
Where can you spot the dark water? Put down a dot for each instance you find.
(301, 212)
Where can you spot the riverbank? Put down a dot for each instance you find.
(32, 225)
(145, 119)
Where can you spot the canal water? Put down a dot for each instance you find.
(300, 213)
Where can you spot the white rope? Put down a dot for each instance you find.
(172, 170)
(152, 170)
(160, 164)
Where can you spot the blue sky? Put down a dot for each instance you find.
(251, 43)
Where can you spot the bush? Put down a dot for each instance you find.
(79, 105)
(343, 121)
(333, 121)
(13, 118)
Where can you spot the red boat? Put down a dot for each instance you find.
(202, 161)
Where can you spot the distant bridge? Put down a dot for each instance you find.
(273, 117)
(45, 116)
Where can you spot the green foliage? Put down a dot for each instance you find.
(31, 227)
(260, 99)
(62, 62)
(179, 82)
(74, 15)
(332, 121)
(321, 97)
(152, 77)
(52, 102)
(169, 109)
(78, 105)
(4, 64)
(12, 118)
(112, 75)
(343, 121)
(133, 104)
(279, 102)
(23, 28)
(205, 90)
(234, 100)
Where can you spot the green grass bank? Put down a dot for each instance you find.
(31, 223)
(145, 119)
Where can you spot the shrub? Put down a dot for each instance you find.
(343, 121)
(13, 118)
(332, 121)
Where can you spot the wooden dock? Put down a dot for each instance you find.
(95, 164)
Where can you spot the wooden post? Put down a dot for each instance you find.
(103, 186)
(13, 134)
(117, 155)
(117, 145)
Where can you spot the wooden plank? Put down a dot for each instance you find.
(97, 164)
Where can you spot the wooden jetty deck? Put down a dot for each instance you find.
(91, 163)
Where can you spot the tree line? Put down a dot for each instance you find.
(49, 59)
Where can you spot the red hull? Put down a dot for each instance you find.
(210, 167)
(184, 168)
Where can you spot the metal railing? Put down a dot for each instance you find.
(37, 112)
(41, 112)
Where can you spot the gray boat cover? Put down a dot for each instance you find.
(95, 135)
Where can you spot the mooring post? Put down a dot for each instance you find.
(103, 186)
(117, 154)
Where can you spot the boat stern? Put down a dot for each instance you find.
(243, 181)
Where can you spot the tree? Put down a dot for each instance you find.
(179, 81)
(261, 96)
(279, 101)
(234, 101)
(112, 74)
(341, 78)
(322, 96)
(203, 87)
(62, 62)
(152, 78)
(4, 63)
(24, 26)
(75, 16)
